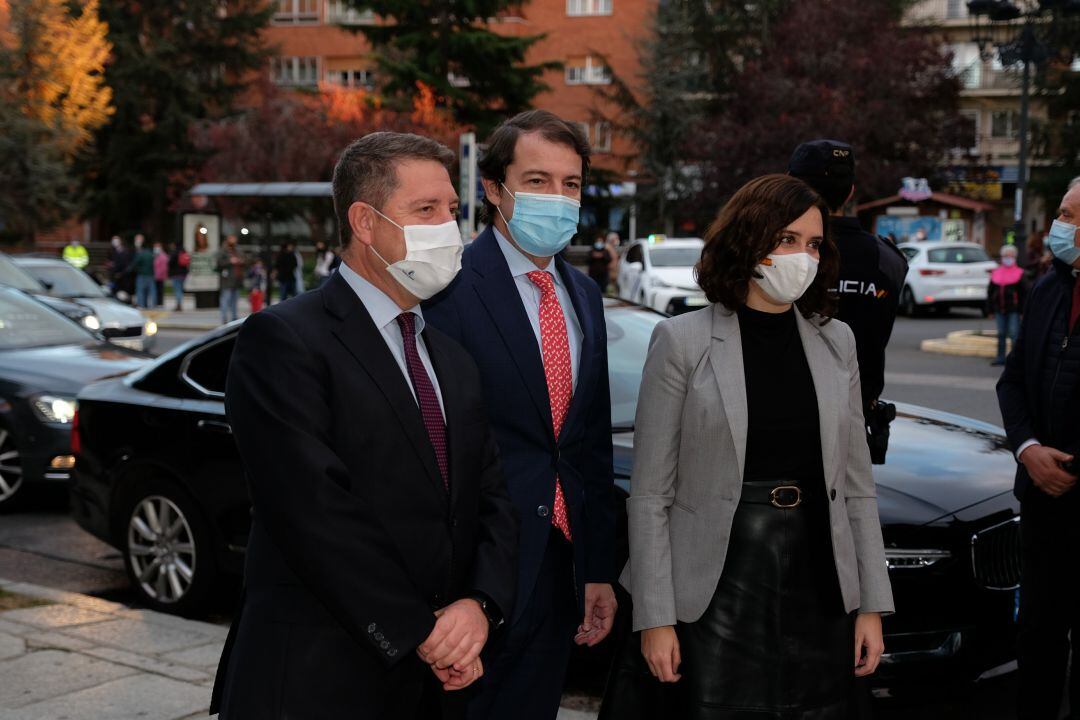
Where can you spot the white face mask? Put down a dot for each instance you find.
(432, 257)
(785, 278)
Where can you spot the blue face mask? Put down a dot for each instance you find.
(1062, 241)
(542, 224)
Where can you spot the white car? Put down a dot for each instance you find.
(945, 274)
(658, 272)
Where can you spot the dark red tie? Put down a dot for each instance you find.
(1074, 314)
(425, 394)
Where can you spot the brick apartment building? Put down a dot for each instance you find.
(312, 47)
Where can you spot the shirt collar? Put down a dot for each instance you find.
(519, 264)
(382, 309)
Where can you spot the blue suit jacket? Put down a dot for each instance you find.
(482, 310)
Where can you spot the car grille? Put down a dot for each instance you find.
(121, 332)
(995, 555)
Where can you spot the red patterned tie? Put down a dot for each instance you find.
(559, 373)
(425, 394)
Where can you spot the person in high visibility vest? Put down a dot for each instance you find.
(76, 254)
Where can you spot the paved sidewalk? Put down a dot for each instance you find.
(967, 343)
(191, 318)
(81, 658)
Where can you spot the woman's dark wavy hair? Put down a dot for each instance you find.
(748, 229)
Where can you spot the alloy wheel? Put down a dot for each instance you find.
(11, 471)
(161, 549)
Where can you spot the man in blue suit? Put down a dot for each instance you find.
(535, 327)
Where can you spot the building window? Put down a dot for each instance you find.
(598, 134)
(970, 140)
(293, 12)
(340, 12)
(576, 8)
(352, 78)
(296, 71)
(1005, 124)
(967, 64)
(588, 70)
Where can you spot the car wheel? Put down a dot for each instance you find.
(908, 306)
(168, 548)
(11, 471)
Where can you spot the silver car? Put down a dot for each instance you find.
(120, 324)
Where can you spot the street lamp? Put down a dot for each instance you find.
(1014, 29)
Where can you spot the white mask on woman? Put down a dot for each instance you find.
(785, 278)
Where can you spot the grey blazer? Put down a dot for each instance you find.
(689, 451)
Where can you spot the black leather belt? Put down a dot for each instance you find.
(780, 495)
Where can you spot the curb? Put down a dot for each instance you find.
(964, 343)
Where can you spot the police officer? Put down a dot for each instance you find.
(872, 272)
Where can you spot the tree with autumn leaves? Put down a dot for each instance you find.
(53, 98)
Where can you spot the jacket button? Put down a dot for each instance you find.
(556, 458)
(832, 494)
(371, 628)
(379, 636)
(543, 511)
(384, 645)
(392, 652)
(453, 522)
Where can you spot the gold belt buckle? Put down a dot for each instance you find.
(776, 501)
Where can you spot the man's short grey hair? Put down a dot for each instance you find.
(1074, 182)
(367, 171)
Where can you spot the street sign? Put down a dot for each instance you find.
(467, 186)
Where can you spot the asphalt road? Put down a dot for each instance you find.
(42, 545)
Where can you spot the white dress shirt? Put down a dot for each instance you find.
(384, 313)
(520, 267)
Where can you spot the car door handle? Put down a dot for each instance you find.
(215, 426)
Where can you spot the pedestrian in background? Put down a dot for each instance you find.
(179, 263)
(757, 564)
(76, 254)
(257, 285)
(1039, 394)
(116, 263)
(612, 242)
(142, 267)
(1005, 299)
(299, 272)
(161, 273)
(324, 263)
(230, 267)
(1037, 258)
(285, 266)
(600, 263)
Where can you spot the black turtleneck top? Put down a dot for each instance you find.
(783, 441)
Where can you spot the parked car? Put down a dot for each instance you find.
(658, 272)
(45, 359)
(14, 276)
(118, 322)
(158, 476)
(945, 274)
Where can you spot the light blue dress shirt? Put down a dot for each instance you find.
(384, 313)
(520, 267)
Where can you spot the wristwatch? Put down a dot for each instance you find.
(491, 612)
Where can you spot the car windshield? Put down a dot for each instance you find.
(674, 256)
(629, 330)
(958, 254)
(13, 275)
(24, 323)
(65, 281)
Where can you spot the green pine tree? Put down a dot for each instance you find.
(478, 74)
(173, 63)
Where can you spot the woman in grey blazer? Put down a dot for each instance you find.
(757, 567)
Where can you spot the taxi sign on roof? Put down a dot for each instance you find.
(657, 238)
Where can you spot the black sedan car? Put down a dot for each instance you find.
(45, 359)
(160, 479)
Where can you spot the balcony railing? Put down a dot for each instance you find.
(937, 11)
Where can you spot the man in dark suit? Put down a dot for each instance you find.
(1039, 393)
(383, 543)
(535, 326)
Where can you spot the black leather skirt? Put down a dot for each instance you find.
(775, 642)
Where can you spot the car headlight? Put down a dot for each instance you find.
(150, 328)
(92, 322)
(54, 409)
(904, 559)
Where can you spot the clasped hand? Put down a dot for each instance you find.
(453, 647)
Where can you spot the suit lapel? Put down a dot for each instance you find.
(581, 308)
(823, 368)
(357, 332)
(726, 359)
(500, 297)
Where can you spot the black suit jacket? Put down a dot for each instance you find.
(1018, 390)
(355, 541)
(482, 310)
